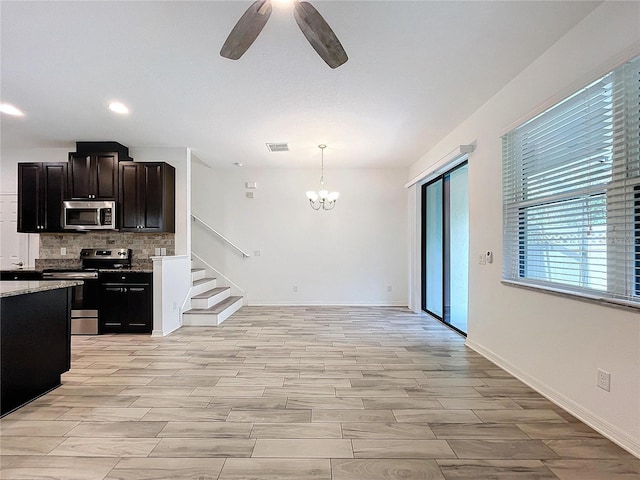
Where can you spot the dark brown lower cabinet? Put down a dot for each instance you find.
(126, 303)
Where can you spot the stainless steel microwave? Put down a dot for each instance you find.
(89, 215)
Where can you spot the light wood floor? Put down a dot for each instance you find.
(299, 393)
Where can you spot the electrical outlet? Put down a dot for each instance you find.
(295, 289)
(603, 380)
(257, 253)
(482, 259)
(390, 288)
(63, 250)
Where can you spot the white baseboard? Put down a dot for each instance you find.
(613, 433)
(258, 303)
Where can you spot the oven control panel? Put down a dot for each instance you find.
(105, 254)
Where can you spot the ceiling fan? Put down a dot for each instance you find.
(313, 26)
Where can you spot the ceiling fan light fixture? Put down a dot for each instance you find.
(313, 26)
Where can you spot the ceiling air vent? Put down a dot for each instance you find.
(277, 147)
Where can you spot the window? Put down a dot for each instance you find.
(571, 192)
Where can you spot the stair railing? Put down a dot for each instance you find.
(214, 231)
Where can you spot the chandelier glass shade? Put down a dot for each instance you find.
(323, 199)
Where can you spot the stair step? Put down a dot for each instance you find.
(210, 293)
(213, 315)
(210, 297)
(202, 285)
(197, 274)
(217, 308)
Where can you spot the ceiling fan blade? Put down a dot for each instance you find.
(319, 34)
(246, 30)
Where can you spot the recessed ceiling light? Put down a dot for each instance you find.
(10, 110)
(118, 107)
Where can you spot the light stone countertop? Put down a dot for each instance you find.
(127, 270)
(11, 288)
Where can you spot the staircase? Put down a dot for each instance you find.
(210, 305)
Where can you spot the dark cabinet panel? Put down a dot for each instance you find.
(41, 191)
(55, 186)
(80, 178)
(139, 315)
(112, 309)
(130, 196)
(29, 197)
(93, 175)
(147, 197)
(107, 175)
(126, 302)
(153, 217)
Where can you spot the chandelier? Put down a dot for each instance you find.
(322, 199)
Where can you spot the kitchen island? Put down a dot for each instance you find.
(35, 339)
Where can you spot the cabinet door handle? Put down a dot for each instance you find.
(138, 324)
(112, 324)
(136, 289)
(113, 289)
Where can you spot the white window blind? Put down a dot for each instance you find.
(571, 192)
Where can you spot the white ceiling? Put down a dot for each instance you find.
(416, 70)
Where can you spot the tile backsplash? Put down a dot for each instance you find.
(142, 244)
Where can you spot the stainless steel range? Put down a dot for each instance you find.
(84, 309)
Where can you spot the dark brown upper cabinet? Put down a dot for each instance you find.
(147, 197)
(93, 175)
(42, 187)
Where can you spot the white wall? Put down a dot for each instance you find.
(170, 288)
(349, 255)
(553, 343)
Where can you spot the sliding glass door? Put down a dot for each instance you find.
(445, 247)
(433, 261)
